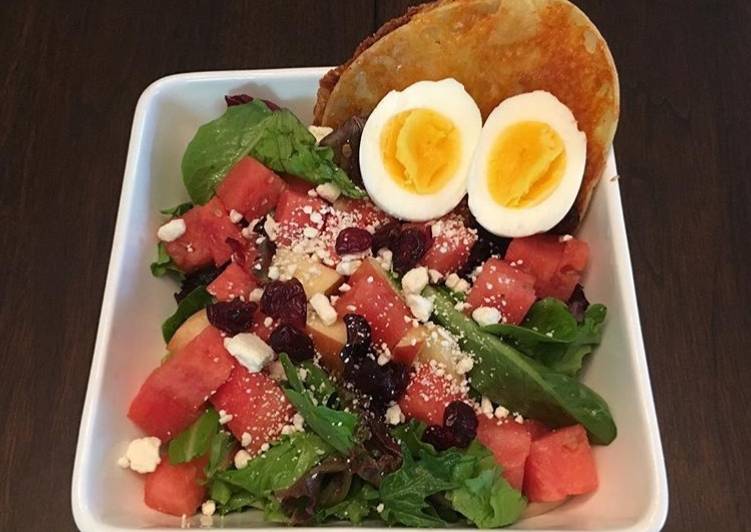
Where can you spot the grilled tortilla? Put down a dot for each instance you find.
(497, 49)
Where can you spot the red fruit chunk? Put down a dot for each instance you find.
(176, 489)
(509, 442)
(218, 228)
(509, 290)
(451, 245)
(535, 429)
(556, 264)
(373, 297)
(250, 188)
(191, 251)
(428, 394)
(361, 213)
(234, 282)
(560, 464)
(257, 405)
(291, 216)
(172, 396)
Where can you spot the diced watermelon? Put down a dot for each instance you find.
(373, 297)
(263, 325)
(560, 464)
(176, 489)
(509, 290)
(535, 429)
(428, 394)
(218, 228)
(191, 251)
(509, 442)
(233, 282)
(291, 213)
(250, 188)
(452, 242)
(556, 263)
(172, 396)
(351, 213)
(257, 405)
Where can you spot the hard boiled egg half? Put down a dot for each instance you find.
(416, 149)
(528, 166)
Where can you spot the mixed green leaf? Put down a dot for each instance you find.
(196, 300)
(275, 138)
(164, 264)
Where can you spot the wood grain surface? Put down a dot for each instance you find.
(71, 73)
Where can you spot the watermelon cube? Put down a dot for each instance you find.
(509, 442)
(176, 489)
(452, 242)
(505, 288)
(172, 396)
(428, 394)
(234, 282)
(250, 188)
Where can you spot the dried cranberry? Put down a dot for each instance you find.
(353, 240)
(232, 317)
(410, 247)
(386, 237)
(286, 301)
(395, 381)
(358, 330)
(289, 339)
(202, 277)
(487, 245)
(439, 437)
(461, 420)
(240, 99)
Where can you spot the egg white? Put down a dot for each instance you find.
(446, 97)
(538, 106)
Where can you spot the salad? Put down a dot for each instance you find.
(379, 321)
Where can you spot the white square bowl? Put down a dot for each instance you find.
(633, 485)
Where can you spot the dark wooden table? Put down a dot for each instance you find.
(70, 74)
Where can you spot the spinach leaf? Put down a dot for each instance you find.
(319, 384)
(197, 299)
(277, 139)
(164, 264)
(336, 427)
(507, 376)
(238, 501)
(287, 146)
(279, 467)
(551, 335)
(218, 145)
(485, 497)
(179, 210)
(221, 447)
(220, 492)
(195, 440)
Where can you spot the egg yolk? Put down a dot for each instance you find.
(420, 150)
(526, 164)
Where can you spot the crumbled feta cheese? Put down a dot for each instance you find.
(501, 412)
(385, 258)
(435, 276)
(256, 294)
(265, 447)
(436, 229)
(518, 418)
(465, 364)
(235, 216)
(394, 415)
(316, 218)
(298, 421)
(302, 373)
(249, 350)
(486, 407)
(248, 233)
(319, 132)
(415, 280)
(348, 267)
(384, 357)
(344, 287)
(242, 457)
(224, 417)
(208, 508)
(142, 455)
(310, 232)
(456, 283)
(246, 439)
(172, 230)
(274, 273)
(307, 209)
(564, 238)
(328, 191)
(486, 316)
(323, 308)
(380, 508)
(421, 307)
(271, 227)
(268, 321)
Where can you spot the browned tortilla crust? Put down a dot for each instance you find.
(497, 49)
